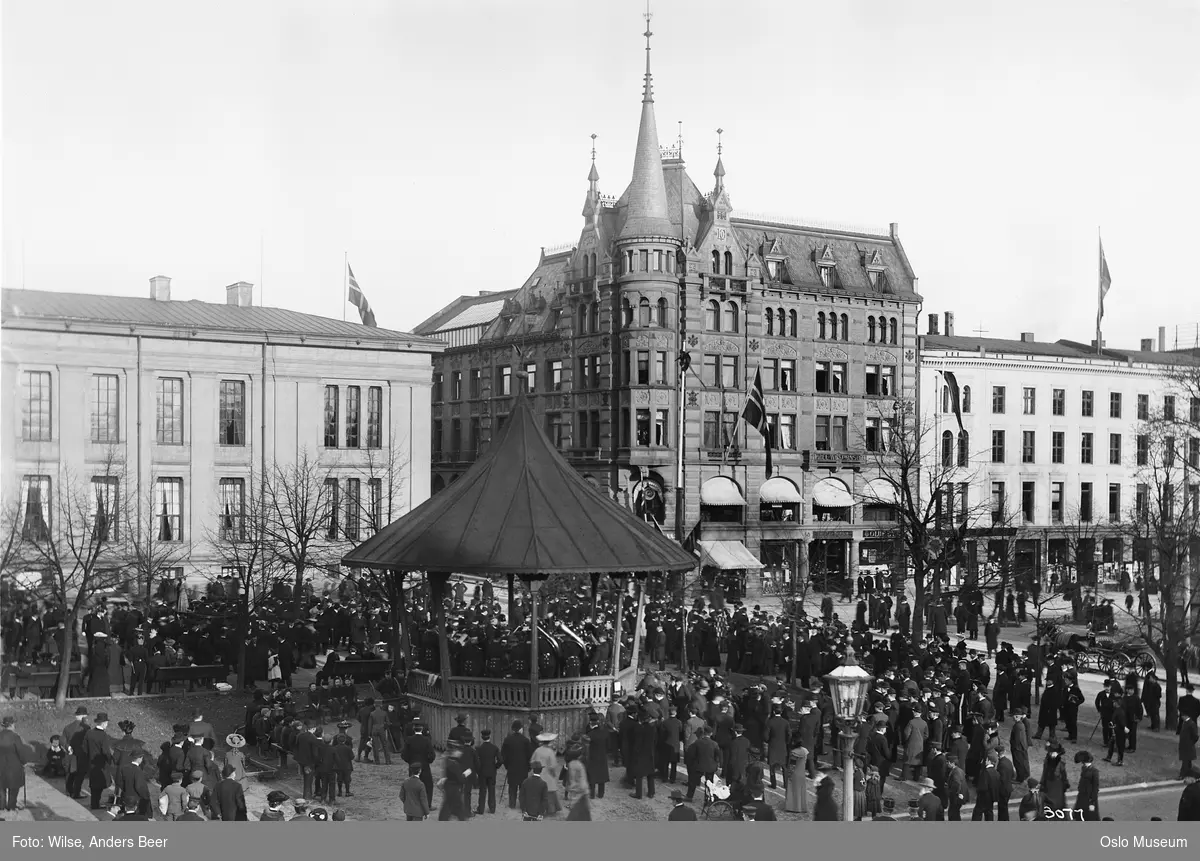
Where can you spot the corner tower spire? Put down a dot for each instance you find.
(646, 199)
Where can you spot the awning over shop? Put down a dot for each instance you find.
(779, 491)
(880, 491)
(832, 493)
(721, 491)
(729, 556)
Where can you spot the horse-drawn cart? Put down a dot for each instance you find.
(1116, 655)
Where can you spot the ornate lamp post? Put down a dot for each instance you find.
(848, 684)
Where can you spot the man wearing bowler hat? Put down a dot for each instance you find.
(680, 811)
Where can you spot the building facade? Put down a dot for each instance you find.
(189, 402)
(668, 276)
(1053, 450)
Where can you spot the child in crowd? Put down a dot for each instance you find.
(56, 758)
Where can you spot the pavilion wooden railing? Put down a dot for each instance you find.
(579, 692)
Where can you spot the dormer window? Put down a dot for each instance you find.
(827, 276)
(773, 269)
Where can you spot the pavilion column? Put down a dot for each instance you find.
(618, 624)
(595, 596)
(437, 596)
(635, 658)
(535, 586)
(405, 621)
(511, 577)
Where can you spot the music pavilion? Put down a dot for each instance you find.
(828, 313)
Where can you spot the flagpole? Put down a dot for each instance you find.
(1099, 287)
(345, 281)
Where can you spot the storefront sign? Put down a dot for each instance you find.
(833, 459)
(877, 533)
(828, 535)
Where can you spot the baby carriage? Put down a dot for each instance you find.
(717, 803)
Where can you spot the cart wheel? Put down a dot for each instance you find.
(1145, 663)
(719, 810)
(1107, 665)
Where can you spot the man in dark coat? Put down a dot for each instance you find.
(599, 737)
(515, 753)
(879, 753)
(1189, 801)
(418, 750)
(641, 757)
(72, 738)
(670, 731)
(14, 753)
(228, 798)
(956, 790)
(776, 738)
(680, 812)
(1152, 699)
(131, 782)
(488, 762)
(305, 753)
(739, 756)
(1087, 798)
(96, 756)
(929, 807)
(987, 792)
(534, 796)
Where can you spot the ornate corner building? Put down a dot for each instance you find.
(667, 276)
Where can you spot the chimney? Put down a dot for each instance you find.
(160, 288)
(1147, 345)
(1027, 337)
(240, 294)
(949, 315)
(1162, 339)
(933, 324)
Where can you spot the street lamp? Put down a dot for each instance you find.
(848, 685)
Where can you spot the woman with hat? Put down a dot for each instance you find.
(1054, 783)
(826, 809)
(796, 799)
(548, 758)
(98, 661)
(125, 747)
(1087, 797)
(274, 811)
(234, 756)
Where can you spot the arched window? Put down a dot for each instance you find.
(731, 317)
(594, 317)
(662, 313)
(964, 448)
(966, 399)
(644, 312)
(870, 330)
(820, 324)
(593, 263)
(892, 335)
(770, 313)
(716, 262)
(947, 448)
(791, 321)
(845, 328)
(713, 323)
(728, 263)
(833, 327)
(628, 261)
(583, 318)
(626, 313)
(945, 399)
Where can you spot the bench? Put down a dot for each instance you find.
(45, 680)
(360, 671)
(261, 770)
(205, 673)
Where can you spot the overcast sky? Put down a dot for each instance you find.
(442, 143)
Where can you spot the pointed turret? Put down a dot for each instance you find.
(646, 199)
(593, 196)
(719, 170)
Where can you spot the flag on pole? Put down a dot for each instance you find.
(755, 415)
(1105, 284)
(359, 301)
(955, 396)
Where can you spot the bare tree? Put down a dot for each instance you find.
(300, 522)
(924, 476)
(1165, 525)
(71, 534)
(151, 540)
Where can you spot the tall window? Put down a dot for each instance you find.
(997, 446)
(831, 377)
(1143, 449)
(375, 417)
(713, 315)
(643, 427)
(233, 509)
(662, 373)
(769, 316)
(1058, 402)
(1193, 457)
(232, 412)
(106, 408)
(1143, 408)
(838, 439)
(1114, 503)
(475, 440)
(822, 433)
(1088, 404)
(105, 523)
(833, 327)
(998, 400)
(880, 380)
(1027, 446)
(792, 318)
(456, 448)
(475, 383)
(1085, 502)
(1056, 501)
(1027, 500)
(169, 411)
(947, 448)
(1058, 444)
(504, 380)
(997, 501)
(1114, 405)
(437, 393)
(375, 511)
(892, 331)
(787, 375)
(662, 427)
(168, 509)
(644, 312)
(964, 448)
(966, 399)
(845, 327)
(436, 440)
(531, 377)
(661, 314)
(331, 417)
(1029, 401)
(821, 332)
(785, 435)
(353, 415)
(731, 317)
(594, 317)
(1085, 448)
(1194, 411)
(332, 501)
(1169, 407)
(353, 508)
(456, 385)
(712, 430)
(643, 367)
(554, 370)
(870, 330)
(1142, 501)
(879, 434)
(728, 263)
(626, 314)
(36, 417)
(729, 372)
(35, 507)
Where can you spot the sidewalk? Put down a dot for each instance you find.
(41, 802)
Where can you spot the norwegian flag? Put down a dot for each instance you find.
(359, 301)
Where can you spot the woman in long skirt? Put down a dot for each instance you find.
(546, 755)
(860, 793)
(874, 798)
(796, 799)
